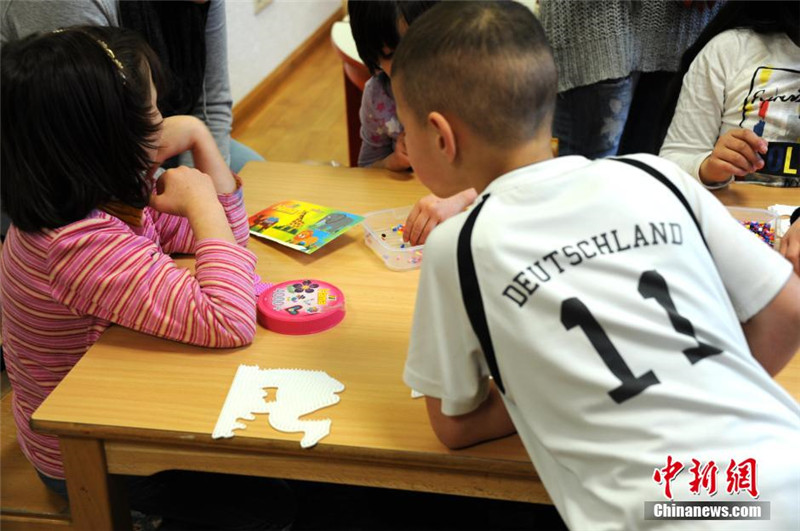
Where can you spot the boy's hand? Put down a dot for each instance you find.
(735, 153)
(790, 245)
(430, 211)
(183, 191)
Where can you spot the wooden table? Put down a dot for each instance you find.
(137, 405)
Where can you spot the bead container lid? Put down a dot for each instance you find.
(298, 307)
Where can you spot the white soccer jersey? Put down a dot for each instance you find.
(617, 339)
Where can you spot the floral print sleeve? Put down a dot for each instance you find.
(379, 124)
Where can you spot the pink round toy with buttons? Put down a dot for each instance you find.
(299, 307)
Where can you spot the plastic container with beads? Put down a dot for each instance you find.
(761, 222)
(383, 233)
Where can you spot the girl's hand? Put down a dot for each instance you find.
(790, 245)
(735, 153)
(187, 133)
(430, 211)
(401, 152)
(182, 191)
(189, 193)
(398, 160)
(178, 135)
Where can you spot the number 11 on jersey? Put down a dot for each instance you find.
(651, 286)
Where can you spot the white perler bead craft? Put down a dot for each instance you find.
(300, 392)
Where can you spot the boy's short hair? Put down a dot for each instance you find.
(76, 124)
(487, 63)
(374, 25)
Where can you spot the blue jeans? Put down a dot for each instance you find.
(614, 117)
(59, 486)
(241, 155)
(589, 120)
(5, 223)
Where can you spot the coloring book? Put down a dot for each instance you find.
(302, 226)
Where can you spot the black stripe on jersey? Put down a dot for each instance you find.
(471, 293)
(669, 184)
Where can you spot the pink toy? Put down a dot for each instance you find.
(301, 307)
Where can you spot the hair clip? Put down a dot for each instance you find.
(113, 57)
(108, 51)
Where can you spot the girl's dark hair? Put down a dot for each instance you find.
(762, 17)
(176, 31)
(76, 125)
(374, 25)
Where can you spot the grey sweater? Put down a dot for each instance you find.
(19, 18)
(609, 39)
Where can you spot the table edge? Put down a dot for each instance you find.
(453, 459)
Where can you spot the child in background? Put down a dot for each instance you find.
(737, 115)
(377, 29)
(190, 39)
(617, 341)
(92, 229)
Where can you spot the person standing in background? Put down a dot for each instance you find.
(614, 61)
(190, 39)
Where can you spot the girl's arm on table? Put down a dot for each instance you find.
(98, 267)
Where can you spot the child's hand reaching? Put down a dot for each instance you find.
(190, 193)
(430, 211)
(735, 153)
(790, 245)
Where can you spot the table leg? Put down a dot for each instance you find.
(96, 499)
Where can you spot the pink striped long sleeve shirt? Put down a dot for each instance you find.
(60, 289)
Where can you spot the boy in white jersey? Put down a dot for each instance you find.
(634, 360)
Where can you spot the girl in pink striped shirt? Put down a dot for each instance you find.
(92, 228)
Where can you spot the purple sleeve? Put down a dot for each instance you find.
(379, 124)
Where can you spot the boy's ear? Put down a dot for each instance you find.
(445, 138)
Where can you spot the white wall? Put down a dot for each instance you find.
(257, 44)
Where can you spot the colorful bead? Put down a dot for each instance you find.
(765, 231)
